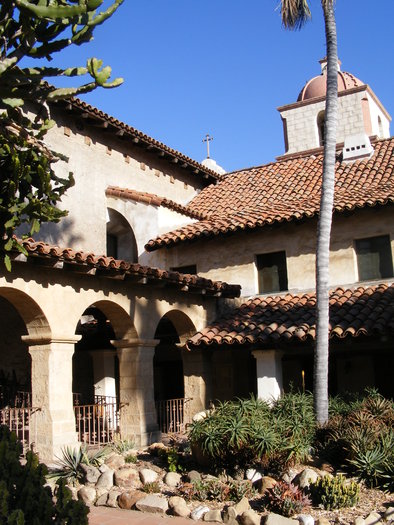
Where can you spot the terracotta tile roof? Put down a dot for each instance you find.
(366, 310)
(89, 263)
(286, 190)
(151, 198)
(138, 137)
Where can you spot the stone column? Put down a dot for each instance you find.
(269, 374)
(53, 424)
(138, 418)
(197, 380)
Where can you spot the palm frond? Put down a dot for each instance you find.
(294, 13)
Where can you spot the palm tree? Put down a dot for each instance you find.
(294, 14)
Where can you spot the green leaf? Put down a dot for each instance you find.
(13, 102)
(7, 262)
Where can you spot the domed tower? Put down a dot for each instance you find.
(361, 115)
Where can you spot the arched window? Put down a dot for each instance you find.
(121, 243)
(320, 127)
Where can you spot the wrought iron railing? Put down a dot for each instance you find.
(171, 415)
(97, 424)
(19, 420)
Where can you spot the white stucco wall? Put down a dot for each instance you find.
(232, 258)
(98, 160)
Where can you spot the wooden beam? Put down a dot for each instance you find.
(136, 140)
(120, 133)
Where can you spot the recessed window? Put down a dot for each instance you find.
(272, 272)
(320, 127)
(374, 259)
(191, 268)
(112, 246)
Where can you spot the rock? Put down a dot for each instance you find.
(115, 461)
(106, 480)
(200, 415)
(172, 479)
(276, 519)
(213, 515)
(199, 512)
(266, 482)
(90, 474)
(156, 448)
(373, 518)
(322, 521)
(389, 514)
(87, 495)
(74, 492)
(101, 501)
(253, 475)
(103, 468)
(181, 510)
(229, 515)
(176, 500)
(153, 503)
(127, 477)
(289, 476)
(148, 476)
(128, 499)
(359, 521)
(250, 517)
(306, 477)
(112, 500)
(193, 475)
(305, 519)
(242, 506)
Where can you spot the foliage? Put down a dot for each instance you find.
(173, 459)
(249, 432)
(361, 439)
(24, 498)
(334, 492)
(122, 445)
(285, 499)
(151, 487)
(131, 458)
(68, 466)
(216, 490)
(32, 31)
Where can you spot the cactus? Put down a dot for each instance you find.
(334, 493)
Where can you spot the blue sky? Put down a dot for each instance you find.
(193, 67)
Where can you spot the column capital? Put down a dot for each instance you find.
(40, 340)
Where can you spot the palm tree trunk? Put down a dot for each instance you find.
(325, 218)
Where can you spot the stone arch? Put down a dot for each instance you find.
(20, 317)
(172, 331)
(95, 361)
(121, 241)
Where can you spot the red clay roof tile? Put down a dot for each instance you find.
(284, 191)
(365, 310)
(192, 283)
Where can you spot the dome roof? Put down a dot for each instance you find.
(316, 87)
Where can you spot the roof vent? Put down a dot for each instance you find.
(357, 147)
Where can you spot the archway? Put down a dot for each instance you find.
(96, 389)
(121, 243)
(169, 388)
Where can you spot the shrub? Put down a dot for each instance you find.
(361, 440)
(152, 487)
(122, 445)
(131, 458)
(24, 498)
(214, 489)
(173, 459)
(247, 432)
(285, 499)
(68, 466)
(334, 493)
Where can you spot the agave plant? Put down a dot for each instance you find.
(69, 465)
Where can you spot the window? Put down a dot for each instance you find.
(320, 127)
(374, 258)
(191, 268)
(112, 246)
(272, 272)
